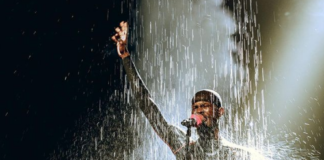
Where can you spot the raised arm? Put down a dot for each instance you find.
(142, 95)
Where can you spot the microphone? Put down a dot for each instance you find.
(195, 120)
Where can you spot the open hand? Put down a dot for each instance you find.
(121, 39)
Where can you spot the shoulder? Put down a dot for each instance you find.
(240, 151)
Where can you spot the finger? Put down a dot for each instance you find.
(125, 24)
(117, 29)
(121, 24)
(115, 37)
(122, 33)
(124, 27)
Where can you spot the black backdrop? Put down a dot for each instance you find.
(57, 63)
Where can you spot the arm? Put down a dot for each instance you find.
(144, 101)
(169, 134)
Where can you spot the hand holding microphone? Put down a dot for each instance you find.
(195, 120)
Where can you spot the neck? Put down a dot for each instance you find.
(209, 141)
(208, 133)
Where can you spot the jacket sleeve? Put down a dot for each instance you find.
(166, 132)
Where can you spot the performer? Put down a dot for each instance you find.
(206, 105)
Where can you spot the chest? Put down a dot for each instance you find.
(197, 152)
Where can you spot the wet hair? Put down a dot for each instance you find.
(209, 96)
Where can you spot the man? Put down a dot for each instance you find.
(206, 104)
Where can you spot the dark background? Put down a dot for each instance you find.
(57, 64)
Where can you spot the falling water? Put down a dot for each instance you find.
(180, 47)
(185, 46)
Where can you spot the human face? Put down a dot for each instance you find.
(209, 111)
